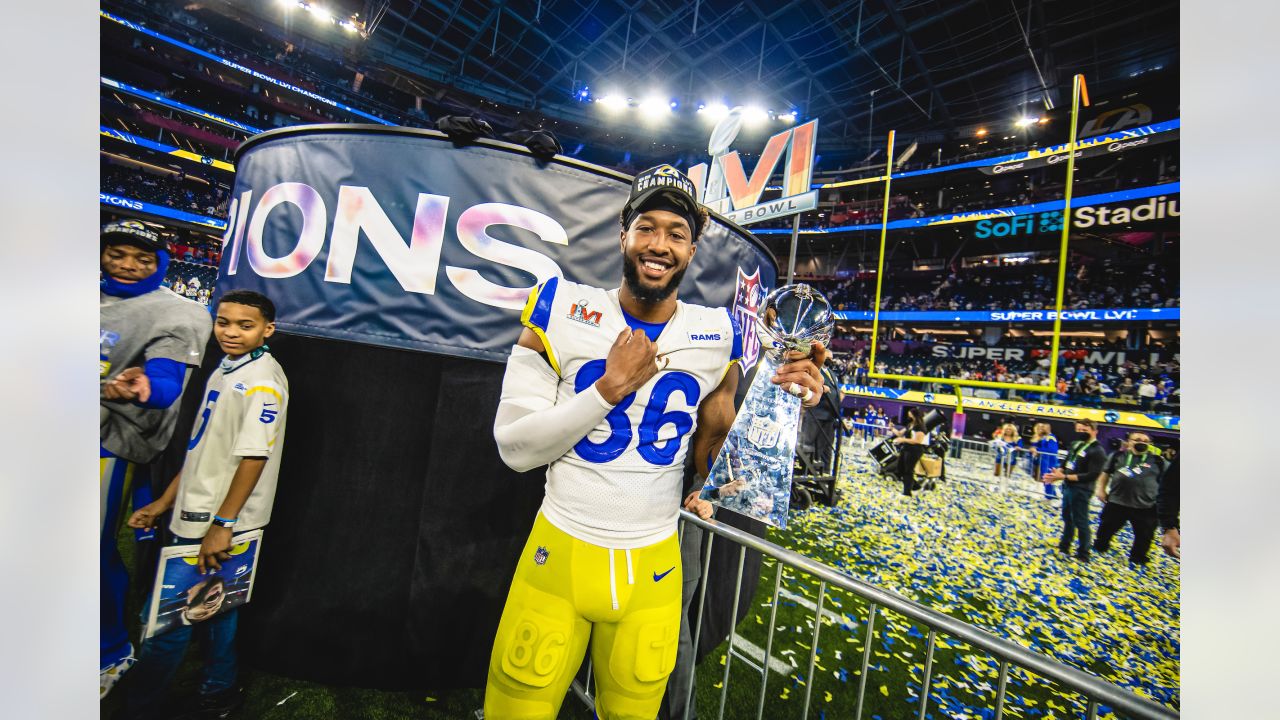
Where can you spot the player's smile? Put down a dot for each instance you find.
(655, 267)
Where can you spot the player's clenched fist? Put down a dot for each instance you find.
(632, 360)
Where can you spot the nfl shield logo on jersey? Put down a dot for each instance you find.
(746, 302)
(540, 557)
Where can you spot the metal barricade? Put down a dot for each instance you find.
(1009, 655)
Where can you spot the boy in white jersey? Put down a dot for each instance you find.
(607, 388)
(227, 485)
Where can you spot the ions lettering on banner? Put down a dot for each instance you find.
(414, 264)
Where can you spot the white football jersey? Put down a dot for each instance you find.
(243, 416)
(619, 486)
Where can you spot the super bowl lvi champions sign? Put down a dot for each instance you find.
(725, 188)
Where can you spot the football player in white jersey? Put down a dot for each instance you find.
(607, 387)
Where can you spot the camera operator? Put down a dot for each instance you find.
(912, 440)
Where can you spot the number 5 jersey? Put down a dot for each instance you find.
(243, 415)
(620, 485)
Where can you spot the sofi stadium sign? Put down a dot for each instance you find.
(1093, 216)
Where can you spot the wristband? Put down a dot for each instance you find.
(224, 522)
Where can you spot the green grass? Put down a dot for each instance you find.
(985, 558)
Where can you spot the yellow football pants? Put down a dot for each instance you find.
(566, 592)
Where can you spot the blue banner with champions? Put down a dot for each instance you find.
(400, 239)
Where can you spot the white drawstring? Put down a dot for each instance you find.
(631, 579)
(613, 584)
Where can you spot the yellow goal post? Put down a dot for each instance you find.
(1079, 93)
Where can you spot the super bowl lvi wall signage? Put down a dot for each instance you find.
(725, 188)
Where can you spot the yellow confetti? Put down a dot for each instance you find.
(884, 690)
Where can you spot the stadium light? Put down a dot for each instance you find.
(754, 115)
(612, 103)
(714, 112)
(321, 14)
(1025, 121)
(982, 132)
(654, 107)
(788, 118)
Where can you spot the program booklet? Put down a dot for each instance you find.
(182, 596)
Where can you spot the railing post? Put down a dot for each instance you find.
(813, 651)
(866, 659)
(733, 624)
(768, 643)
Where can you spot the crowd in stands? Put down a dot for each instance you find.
(190, 280)
(177, 190)
(1138, 381)
(1106, 283)
(144, 119)
(197, 252)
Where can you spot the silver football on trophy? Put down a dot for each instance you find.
(793, 317)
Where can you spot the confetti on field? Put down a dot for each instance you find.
(985, 557)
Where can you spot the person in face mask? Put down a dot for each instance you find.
(1129, 488)
(148, 340)
(1080, 469)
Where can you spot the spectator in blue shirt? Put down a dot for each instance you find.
(1044, 455)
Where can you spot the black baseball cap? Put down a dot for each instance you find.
(664, 187)
(131, 232)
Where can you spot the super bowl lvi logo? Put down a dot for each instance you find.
(746, 303)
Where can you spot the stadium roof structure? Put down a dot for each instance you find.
(928, 68)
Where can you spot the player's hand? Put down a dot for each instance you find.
(733, 487)
(129, 386)
(146, 517)
(1053, 476)
(1171, 543)
(632, 361)
(213, 549)
(800, 375)
(697, 506)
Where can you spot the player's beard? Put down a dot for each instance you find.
(643, 294)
